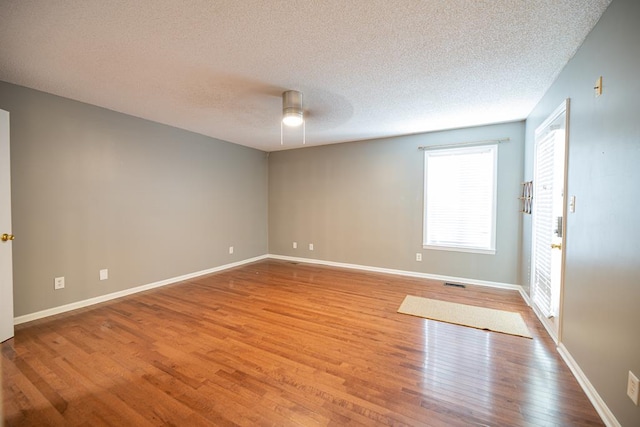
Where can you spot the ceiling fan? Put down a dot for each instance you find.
(292, 113)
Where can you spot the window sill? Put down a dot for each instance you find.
(460, 249)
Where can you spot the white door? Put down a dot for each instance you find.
(549, 212)
(6, 237)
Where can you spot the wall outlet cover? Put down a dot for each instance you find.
(58, 283)
(104, 274)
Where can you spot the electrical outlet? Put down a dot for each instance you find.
(230, 250)
(295, 245)
(633, 388)
(58, 283)
(310, 246)
(418, 256)
(104, 274)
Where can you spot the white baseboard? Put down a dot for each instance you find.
(546, 323)
(585, 384)
(603, 410)
(402, 273)
(525, 296)
(91, 301)
(103, 298)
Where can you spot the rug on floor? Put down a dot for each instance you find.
(506, 322)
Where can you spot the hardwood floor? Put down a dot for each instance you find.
(278, 343)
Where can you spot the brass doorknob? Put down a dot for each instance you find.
(6, 237)
(556, 246)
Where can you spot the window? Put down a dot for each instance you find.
(460, 199)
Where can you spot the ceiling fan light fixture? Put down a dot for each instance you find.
(292, 114)
(292, 119)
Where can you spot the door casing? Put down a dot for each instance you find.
(6, 255)
(554, 326)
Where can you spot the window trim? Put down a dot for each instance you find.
(491, 249)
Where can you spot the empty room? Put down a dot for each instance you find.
(241, 213)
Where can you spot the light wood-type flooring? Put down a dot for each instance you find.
(276, 343)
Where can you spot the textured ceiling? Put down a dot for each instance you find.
(367, 68)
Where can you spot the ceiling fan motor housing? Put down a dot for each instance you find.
(292, 114)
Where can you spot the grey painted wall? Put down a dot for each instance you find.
(361, 203)
(602, 278)
(96, 189)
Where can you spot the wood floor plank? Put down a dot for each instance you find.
(280, 343)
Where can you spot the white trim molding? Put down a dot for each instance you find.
(402, 273)
(108, 297)
(548, 325)
(525, 296)
(603, 410)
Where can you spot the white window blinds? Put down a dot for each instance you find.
(542, 215)
(460, 198)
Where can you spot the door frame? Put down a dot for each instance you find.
(6, 248)
(554, 332)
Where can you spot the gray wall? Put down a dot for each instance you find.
(602, 278)
(96, 189)
(361, 203)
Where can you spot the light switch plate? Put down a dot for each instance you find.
(633, 388)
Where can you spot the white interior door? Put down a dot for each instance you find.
(549, 212)
(6, 236)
